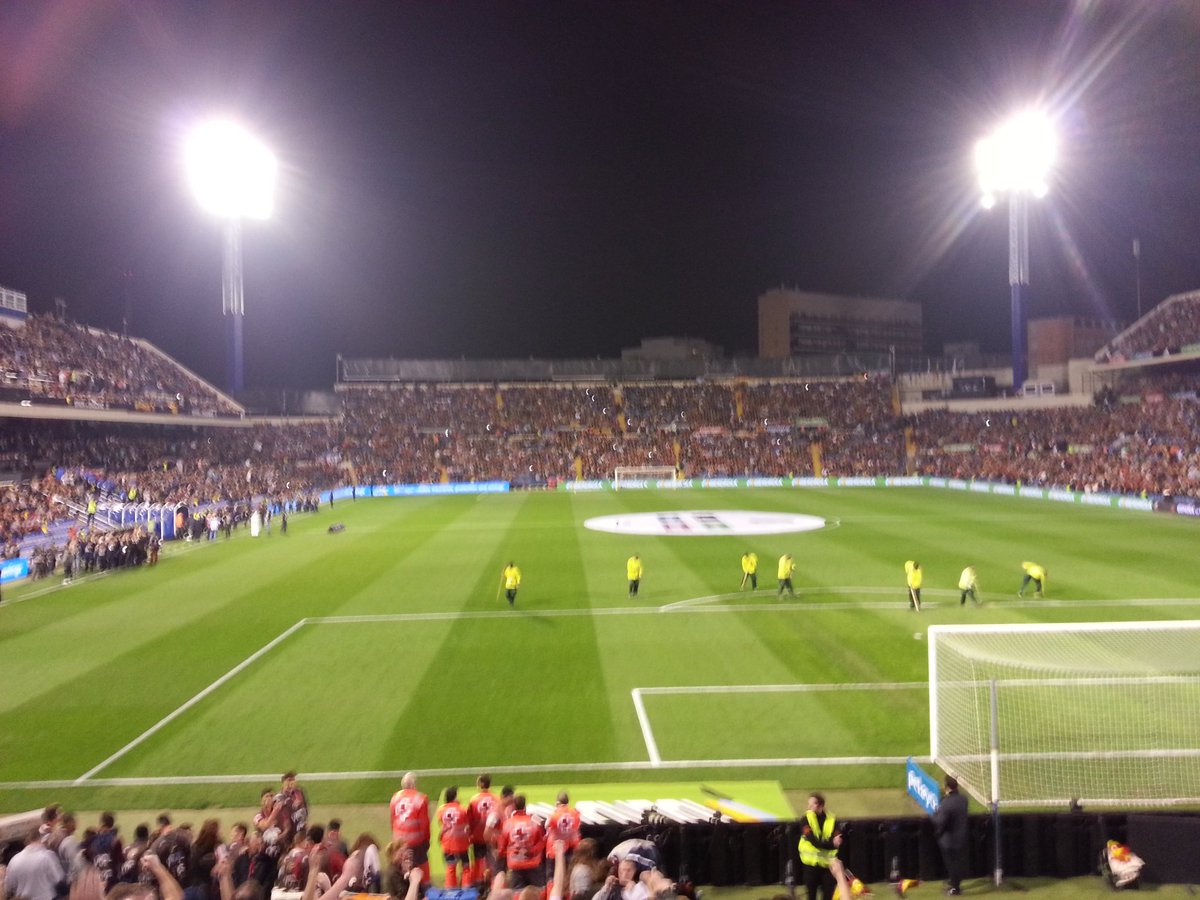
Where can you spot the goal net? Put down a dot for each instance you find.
(1040, 715)
(638, 476)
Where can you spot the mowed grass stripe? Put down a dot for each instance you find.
(61, 627)
(342, 569)
(794, 725)
(295, 577)
(583, 710)
(437, 692)
(165, 634)
(114, 671)
(428, 565)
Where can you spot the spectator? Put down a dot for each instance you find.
(36, 872)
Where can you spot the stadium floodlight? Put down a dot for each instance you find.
(1016, 161)
(233, 177)
(232, 172)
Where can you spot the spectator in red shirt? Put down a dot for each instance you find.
(454, 832)
(522, 846)
(563, 827)
(410, 822)
(481, 807)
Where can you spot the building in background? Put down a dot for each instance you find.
(1054, 341)
(672, 348)
(802, 323)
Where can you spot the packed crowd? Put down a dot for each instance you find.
(1128, 448)
(25, 509)
(1163, 331)
(63, 361)
(538, 433)
(492, 842)
(75, 465)
(1138, 438)
(97, 551)
(87, 549)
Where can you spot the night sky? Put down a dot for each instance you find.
(560, 179)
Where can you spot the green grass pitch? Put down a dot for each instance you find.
(353, 657)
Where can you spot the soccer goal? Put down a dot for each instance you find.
(638, 476)
(1044, 715)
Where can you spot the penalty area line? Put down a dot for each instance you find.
(180, 710)
(644, 721)
(783, 688)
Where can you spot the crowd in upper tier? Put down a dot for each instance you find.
(1164, 331)
(57, 360)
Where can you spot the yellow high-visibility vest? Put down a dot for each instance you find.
(810, 853)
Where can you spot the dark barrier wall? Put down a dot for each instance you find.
(1033, 845)
(1169, 848)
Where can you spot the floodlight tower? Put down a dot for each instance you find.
(233, 176)
(1016, 160)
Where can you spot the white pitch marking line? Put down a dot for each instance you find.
(59, 586)
(644, 721)
(644, 718)
(396, 774)
(784, 688)
(170, 717)
(1000, 601)
(700, 601)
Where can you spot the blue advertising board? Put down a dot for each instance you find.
(417, 490)
(13, 569)
(923, 787)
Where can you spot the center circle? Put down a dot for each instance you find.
(704, 523)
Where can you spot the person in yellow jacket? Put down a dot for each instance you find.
(820, 839)
(786, 569)
(913, 578)
(968, 583)
(511, 579)
(1036, 574)
(750, 570)
(633, 570)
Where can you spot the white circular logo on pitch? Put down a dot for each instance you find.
(705, 523)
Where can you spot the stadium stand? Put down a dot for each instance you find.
(1166, 330)
(1136, 439)
(53, 360)
(538, 432)
(1134, 448)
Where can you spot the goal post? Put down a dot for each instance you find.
(1106, 713)
(639, 475)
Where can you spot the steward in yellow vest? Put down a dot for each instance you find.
(750, 570)
(819, 842)
(1036, 574)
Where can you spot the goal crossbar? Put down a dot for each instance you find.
(627, 474)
